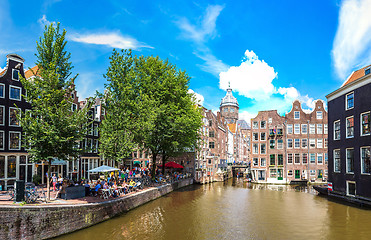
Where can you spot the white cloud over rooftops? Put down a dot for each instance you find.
(198, 97)
(113, 39)
(352, 43)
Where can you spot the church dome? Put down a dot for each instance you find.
(229, 100)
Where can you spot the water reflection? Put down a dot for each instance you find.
(236, 210)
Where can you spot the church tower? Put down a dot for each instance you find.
(229, 107)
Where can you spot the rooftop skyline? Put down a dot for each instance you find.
(271, 52)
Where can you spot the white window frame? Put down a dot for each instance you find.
(346, 101)
(360, 124)
(13, 74)
(346, 127)
(304, 128)
(253, 136)
(292, 158)
(319, 155)
(20, 135)
(289, 127)
(3, 107)
(335, 161)
(355, 193)
(265, 149)
(257, 148)
(261, 162)
(18, 119)
(295, 116)
(319, 128)
(337, 121)
(279, 145)
(319, 115)
(346, 161)
(312, 128)
(319, 143)
(253, 125)
(304, 140)
(20, 95)
(291, 143)
(265, 136)
(296, 128)
(325, 129)
(2, 84)
(312, 140)
(310, 158)
(361, 158)
(3, 140)
(296, 140)
(265, 124)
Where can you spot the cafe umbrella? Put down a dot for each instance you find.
(103, 168)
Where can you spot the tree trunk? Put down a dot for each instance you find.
(153, 172)
(48, 180)
(163, 164)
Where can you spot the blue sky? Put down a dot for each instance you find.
(272, 52)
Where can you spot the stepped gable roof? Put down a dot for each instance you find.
(355, 75)
(31, 72)
(229, 99)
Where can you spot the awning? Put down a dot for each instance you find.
(137, 163)
(104, 168)
(56, 161)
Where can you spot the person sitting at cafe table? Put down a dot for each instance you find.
(131, 183)
(97, 187)
(105, 186)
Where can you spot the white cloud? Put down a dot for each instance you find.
(252, 79)
(2, 69)
(352, 43)
(86, 85)
(115, 40)
(205, 29)
(199, 97)
(199, 34)
(245, 115)
(45, 22)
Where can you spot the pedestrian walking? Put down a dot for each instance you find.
(54, 181)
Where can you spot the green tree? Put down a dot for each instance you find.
(161, 115)
(51, 129)
(51, 53)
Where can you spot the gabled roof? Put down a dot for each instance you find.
(356, 75)
(232, 127)
(32, 72)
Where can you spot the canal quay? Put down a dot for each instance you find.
(235, 210)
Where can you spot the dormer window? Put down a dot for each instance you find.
(15, 74)
(296, 115)
(367, 70)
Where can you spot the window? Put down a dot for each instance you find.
(15, 93)
(2, 90)
(255, 136)
(319, 143)
(269, 120)
(305, 158)
(272, 160)
(255, 148)
(210, 123)
(289, 158)
(255, 125)
(255, 162)
(211, 134)
(15, 74)
(319, 128)
(296, 115)
(297, 158)
(289, 143)
(337, 160)
(312, 143)
(337, 130)
(325, 129)
(95, 129)
(313, 158)
(365, 122)
(351, 188)
(279, 144)
(262, 136)
(272, 132)
(349, 98)
(13, 120)
(273, 173)
(320, 158)
(279, 131)
(312, 129)
(304, 128)
(232, 109)
(367, 71)
(365, 160)
(289, 128)
(262, 162)
(2, 110)
(326, 143)
(73, 107)
(280, 159)
(350, 127)
(304, 143)
(262, 124)
(14, 140)
(319, 115)
(313, 172)
(296, 143)
(271, 144)
(2, 140)
(289, 173)
(326, 158)
(297, 128)
(350, 160)
(262, 148)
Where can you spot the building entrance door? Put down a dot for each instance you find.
(297, 174)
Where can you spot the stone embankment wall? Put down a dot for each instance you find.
(40, 222)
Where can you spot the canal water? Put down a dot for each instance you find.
(236, 210)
